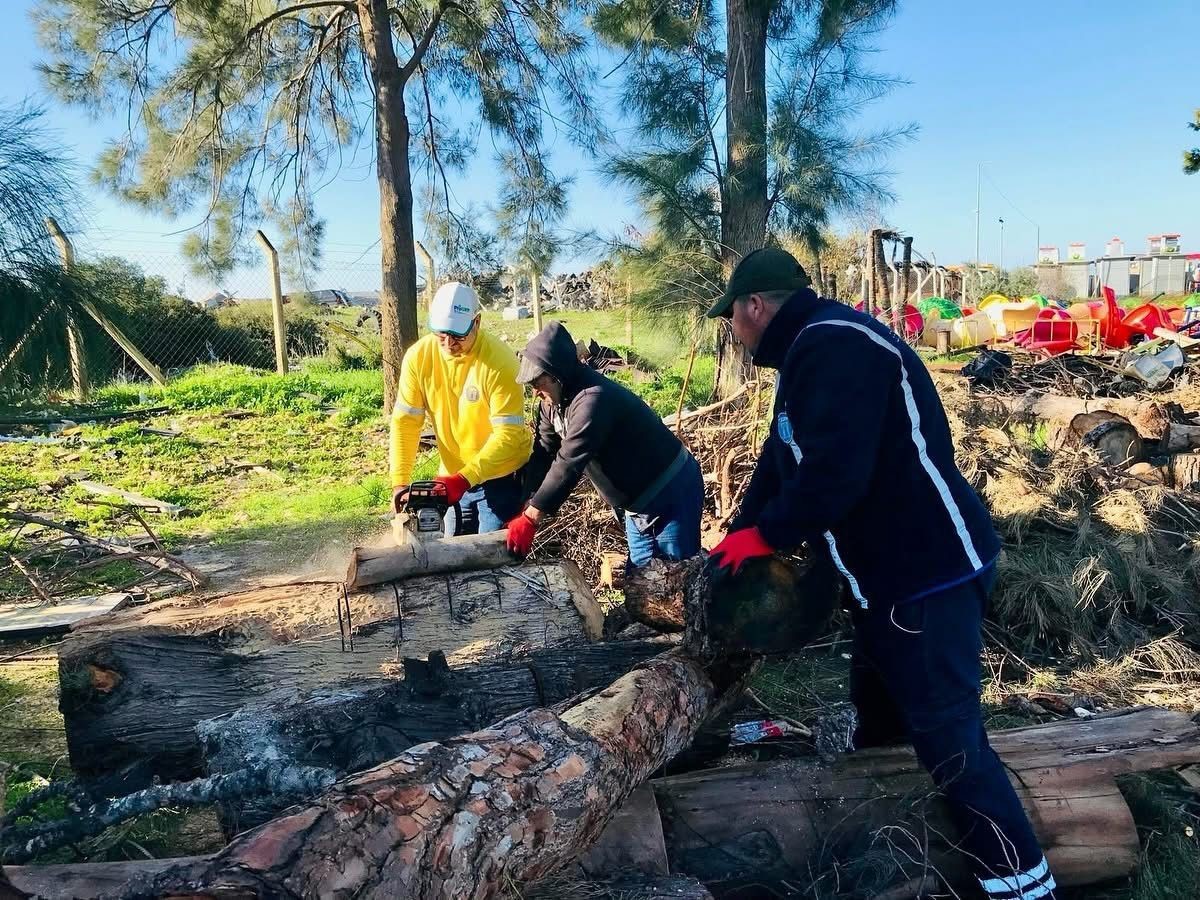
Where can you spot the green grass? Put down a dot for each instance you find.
(303, 460)
(1167, 814)
(657, 345)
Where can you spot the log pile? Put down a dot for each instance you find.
(746, 822)
(461, 817)
(352, 725)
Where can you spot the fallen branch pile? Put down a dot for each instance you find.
(53, 556)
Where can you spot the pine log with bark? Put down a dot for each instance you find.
(467, 816)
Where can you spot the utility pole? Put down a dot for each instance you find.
(1001, 244)
(978, 208)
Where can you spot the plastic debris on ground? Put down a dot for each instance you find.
(761, 730)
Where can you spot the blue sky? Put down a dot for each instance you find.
(1077, 111)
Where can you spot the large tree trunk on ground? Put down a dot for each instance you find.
(463, 818)
(352, 725)
(539, 780)
(1149, 418)
(744, 190)
(763, 820)
(133, 685)
(398, 296)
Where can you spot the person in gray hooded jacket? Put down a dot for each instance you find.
(589, 424)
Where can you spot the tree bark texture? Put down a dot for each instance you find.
(744, 204)
(355, 724)
(772, 605)
(398, 294)
(465, 817)
(134, 685)
(761, 820)
(654, 594)
(882, 286)
(901, 300)
(390, 561)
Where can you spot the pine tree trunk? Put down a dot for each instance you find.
(398, 296)
(744, 209)
(883, 297)
(470, 815)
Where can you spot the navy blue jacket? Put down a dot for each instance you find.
(860, 459)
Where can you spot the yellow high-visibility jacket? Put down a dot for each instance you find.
(475, 404)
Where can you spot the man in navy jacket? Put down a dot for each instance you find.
(860, 464)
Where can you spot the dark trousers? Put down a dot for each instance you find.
(915, 675)
(488, 506)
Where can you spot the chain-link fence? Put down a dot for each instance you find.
(143, 312)
(139, 311)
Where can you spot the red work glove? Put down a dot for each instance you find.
(456, 486)
(738, 546)
(521, 530)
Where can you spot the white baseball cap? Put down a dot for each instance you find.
(454, 308)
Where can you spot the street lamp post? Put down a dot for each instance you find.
(1001, 245)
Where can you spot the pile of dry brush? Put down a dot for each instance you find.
(1098, 575)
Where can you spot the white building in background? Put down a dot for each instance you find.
(214, 301)
(1162, 268)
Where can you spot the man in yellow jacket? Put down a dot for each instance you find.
(465, 381)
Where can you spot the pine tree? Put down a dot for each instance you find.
(1191, 158)
(241, 108)
(736, 152)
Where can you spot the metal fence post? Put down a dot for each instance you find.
(430, 274)
(628, 315)
(281, 362)
(536, 285)
(79, 372)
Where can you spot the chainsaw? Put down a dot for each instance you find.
(423, 516)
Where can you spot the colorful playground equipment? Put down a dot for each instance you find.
(1039, 325)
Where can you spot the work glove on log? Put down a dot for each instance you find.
(521, 530)
(456, 486)
(737, 547)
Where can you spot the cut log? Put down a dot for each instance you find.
(1181, 438)
(654, 594)
(1112, 437)
(772, 605)
(134, 685)
(87, 881)
(353, 725)
(389, 562)
(750, 821)
(463, 818)
(1149, 418)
